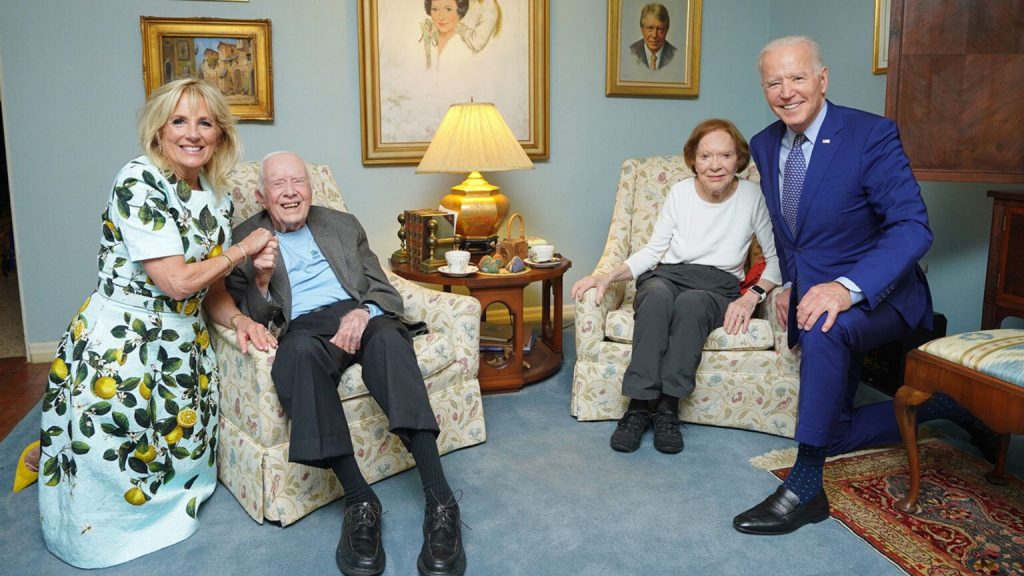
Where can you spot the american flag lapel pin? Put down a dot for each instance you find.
(826, 141)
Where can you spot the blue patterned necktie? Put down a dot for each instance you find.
(793, 182)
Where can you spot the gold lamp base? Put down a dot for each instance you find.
(481, 207)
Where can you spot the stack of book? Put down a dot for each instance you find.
(498, 338)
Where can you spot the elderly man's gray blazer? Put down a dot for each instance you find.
(343, 242)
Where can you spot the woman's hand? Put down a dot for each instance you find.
(249, 331)
(256, 241)
(739, 313)
(579, 289)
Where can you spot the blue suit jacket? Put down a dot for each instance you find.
(860, 215)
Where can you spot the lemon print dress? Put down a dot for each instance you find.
(129, 423)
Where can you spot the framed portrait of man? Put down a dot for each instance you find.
(418, 57)
(653, 48)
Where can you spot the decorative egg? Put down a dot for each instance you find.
(516, 265)
(489, 265)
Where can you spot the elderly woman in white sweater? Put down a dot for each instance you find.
(688, 281)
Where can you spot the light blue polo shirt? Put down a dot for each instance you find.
(313, 282)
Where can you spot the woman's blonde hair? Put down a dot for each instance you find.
(158, 111)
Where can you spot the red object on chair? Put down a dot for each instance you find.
(753, 274)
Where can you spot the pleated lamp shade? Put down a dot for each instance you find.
(473, 137)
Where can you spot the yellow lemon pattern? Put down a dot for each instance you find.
(130, 410)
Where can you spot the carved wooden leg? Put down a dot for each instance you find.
(998, 474)
(905, 403)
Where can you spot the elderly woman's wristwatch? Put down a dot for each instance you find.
(761, 293)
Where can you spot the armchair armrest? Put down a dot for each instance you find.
(781, 343)
(456, 315)
(590, 314)
(247, 393)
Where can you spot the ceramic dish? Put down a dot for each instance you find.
(504, 273)
(555, 261)
(469, 270)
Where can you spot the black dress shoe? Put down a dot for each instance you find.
(630, 430)
(360, 552)
(668, 439)
(442, 553)
(782, 513)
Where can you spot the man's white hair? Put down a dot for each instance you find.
(263, 164)
(785, 42)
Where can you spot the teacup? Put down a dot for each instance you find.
(457, 260)
(542, 252)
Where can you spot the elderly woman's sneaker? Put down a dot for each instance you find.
(630, 430)
(668, 439)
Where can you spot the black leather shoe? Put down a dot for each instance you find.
(442, 553)
(360, 551)
(668, 439)
(782, 513)
(630, 430)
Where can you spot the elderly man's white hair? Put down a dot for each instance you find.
(816, 59)
(263, 164)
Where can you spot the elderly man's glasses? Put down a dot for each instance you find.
(655, 29)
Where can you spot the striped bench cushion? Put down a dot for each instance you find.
(998, 353)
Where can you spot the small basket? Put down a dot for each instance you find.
(510, 247)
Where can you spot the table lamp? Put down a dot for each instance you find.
(473, 137)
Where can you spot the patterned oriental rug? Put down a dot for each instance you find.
(966, 526)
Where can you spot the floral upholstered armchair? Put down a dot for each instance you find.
(254, 430)
(745, 381)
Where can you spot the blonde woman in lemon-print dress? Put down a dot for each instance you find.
(129, 422)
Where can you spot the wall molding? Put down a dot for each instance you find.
(41, 352)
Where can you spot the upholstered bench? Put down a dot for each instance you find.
(984, 372)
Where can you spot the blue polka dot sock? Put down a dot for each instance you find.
(805, 479)
(941, 406)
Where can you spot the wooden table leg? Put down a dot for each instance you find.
(905, 403)
(998, 475)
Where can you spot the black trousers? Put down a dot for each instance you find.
(307, 370)
(676, 307)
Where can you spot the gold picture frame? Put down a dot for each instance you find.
(674, 74)
(880, 54)
(234, 55)
(409, 74)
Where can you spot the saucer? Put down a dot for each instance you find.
(469, 270)
(555, 261)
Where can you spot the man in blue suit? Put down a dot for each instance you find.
(850, 227)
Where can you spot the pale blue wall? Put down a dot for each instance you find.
(71, 84)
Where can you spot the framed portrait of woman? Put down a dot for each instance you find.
(418, 57)
(653, 48)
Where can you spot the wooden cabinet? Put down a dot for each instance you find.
(956, 72)
(1004, 280)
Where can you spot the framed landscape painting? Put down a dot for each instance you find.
(233, 55)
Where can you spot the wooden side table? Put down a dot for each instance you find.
(517, 369)
(1004, 279)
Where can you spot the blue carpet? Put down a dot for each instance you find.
(544, 495)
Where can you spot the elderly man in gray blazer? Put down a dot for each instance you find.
(322, 292)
